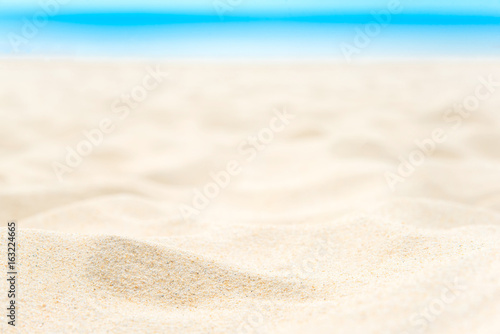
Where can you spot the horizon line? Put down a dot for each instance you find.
(145, 18)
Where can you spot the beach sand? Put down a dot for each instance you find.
(251, 198)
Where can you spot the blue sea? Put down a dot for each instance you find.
(349, 36)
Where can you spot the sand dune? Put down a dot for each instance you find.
(253, 198)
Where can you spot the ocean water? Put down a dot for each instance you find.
(349, 36)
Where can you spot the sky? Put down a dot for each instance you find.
(251, 6)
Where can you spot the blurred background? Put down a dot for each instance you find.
(282, 29)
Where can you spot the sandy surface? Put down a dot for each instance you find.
(315, 224)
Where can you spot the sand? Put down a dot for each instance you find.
(252, 198)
